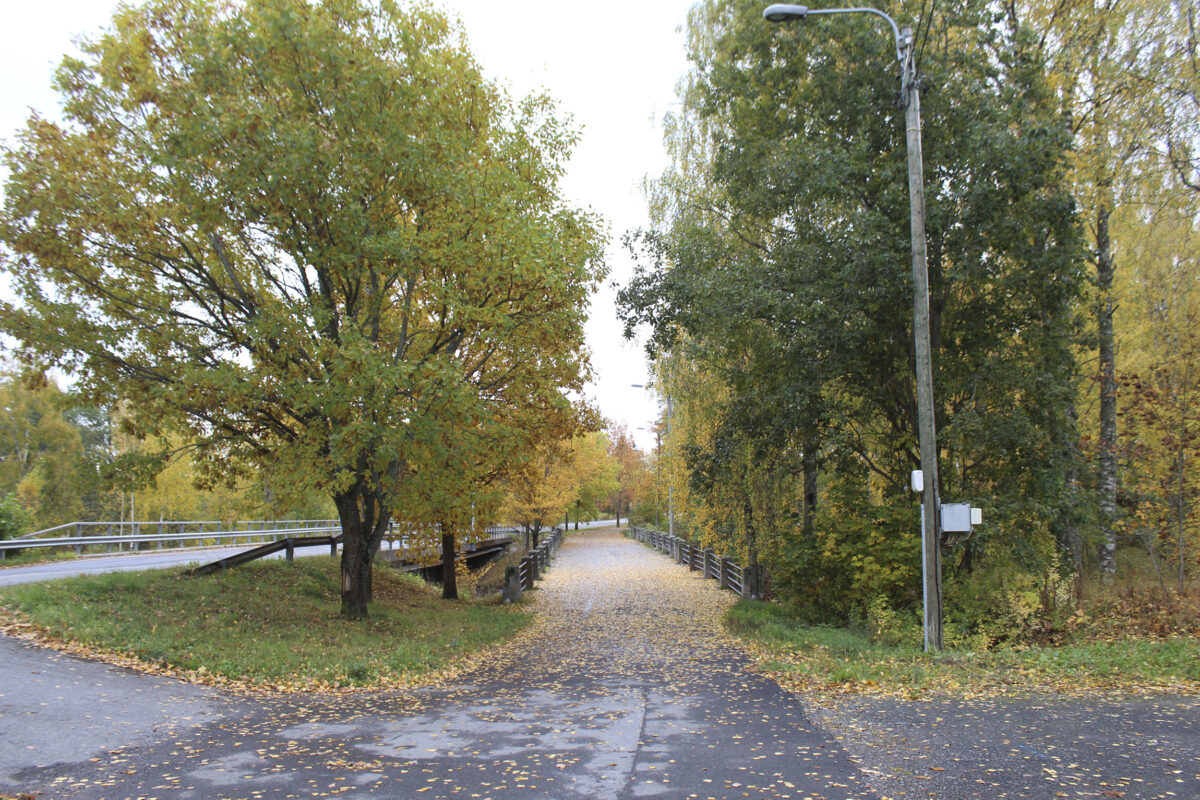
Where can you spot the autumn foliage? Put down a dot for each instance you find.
(305, 238)
(772, 285)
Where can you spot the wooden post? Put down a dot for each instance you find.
(724, 577)
(512, 585)
(926, 428)
(289, 548)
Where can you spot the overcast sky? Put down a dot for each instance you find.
(613, 66)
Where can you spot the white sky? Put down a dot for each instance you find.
(613, 66)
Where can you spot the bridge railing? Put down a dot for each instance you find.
(174, 535)
(728, 573)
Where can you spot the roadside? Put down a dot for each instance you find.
(1035, 747)
(624, 687)
(54, 568)
(843, 661)
(265, 625)
(1039, 723)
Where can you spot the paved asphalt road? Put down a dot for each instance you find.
(626, 688)
(156, 559)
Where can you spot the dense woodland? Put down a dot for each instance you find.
(1062, 208)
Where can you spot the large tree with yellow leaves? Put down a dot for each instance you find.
(304, 235)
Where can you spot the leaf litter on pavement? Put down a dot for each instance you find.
(627, 685)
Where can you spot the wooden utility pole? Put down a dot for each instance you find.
(926, 428)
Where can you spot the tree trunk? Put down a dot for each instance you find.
(363, 525)
(356, 576)
(1066, 528)
(1108, 397)
(752, 574)
(449, 568)
(1180, 486)
(808, 464)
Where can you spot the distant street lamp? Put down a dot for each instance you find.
(670, 488)
(926, 430)
(657, 431)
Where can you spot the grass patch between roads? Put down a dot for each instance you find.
(846, 661)
(32, 556)
(270, 624)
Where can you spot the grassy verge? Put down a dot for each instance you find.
(838, 660)
(269, 624)
(35, 556)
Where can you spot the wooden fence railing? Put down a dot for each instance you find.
(728, 573)
(538, 559)
(291, 544)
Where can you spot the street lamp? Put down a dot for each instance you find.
(670, 488)
(926, 431)
(657, 431)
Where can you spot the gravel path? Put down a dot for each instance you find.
(625, 688)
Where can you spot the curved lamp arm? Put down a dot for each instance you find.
(779, 12)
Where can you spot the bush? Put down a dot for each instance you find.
(892, 628)
(14, 520)
(864, 554)
(1005, 606)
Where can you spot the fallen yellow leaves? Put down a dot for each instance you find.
(16, 625)
(817, 674)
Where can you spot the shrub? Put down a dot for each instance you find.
(14, 519)
(892, 628)
(1006, 606)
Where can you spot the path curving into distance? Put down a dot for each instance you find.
(625, 688)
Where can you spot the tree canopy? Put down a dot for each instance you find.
(777, 273)
(309, 236)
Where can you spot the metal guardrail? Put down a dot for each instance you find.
(728, 573)
(90, 529)
(97, 534)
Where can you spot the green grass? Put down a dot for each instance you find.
(39, 555)
(269, 623)
(846, 660)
